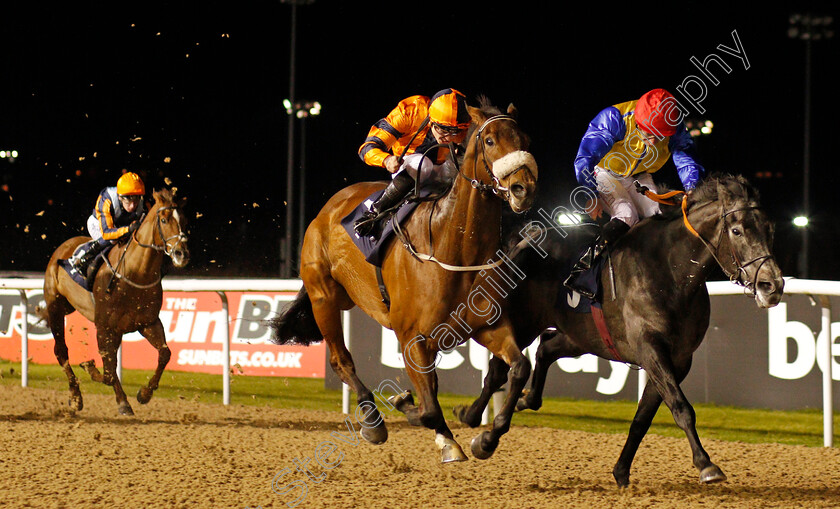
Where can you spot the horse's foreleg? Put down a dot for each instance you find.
(645, 412)
(328, 317)
(496, 376)
(553, 345)
(108, 345)
(420, 366)
(666, 379)
(484, 445)
(547, 353)
(55, 317)
(155, 335)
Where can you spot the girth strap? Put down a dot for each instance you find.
(604, 331)
(386, 299)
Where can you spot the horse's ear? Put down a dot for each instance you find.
(512, 111)
(478, 116)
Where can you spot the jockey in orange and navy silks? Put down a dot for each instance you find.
(117, 214)
(623, 144)
(116, 208)
(405, 130)
(417, 124)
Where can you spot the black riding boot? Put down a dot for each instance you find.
(397, 189)
(84, 262)
(610, 232)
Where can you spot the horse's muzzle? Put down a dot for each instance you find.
(521, 197)
(180, 256)
(769, 291)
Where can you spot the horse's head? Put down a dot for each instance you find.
(749, 234)
(500, 148)
(169, 230)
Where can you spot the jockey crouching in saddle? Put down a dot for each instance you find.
(116, 216)
(623, 144)
(413, 128)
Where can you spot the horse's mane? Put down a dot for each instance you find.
(707, 191)
(737, 185)
(487, 107)
(489, 110)
(164, 196)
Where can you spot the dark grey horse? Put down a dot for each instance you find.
(660, 312)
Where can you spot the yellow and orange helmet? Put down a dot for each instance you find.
(130, 184)
(448, 108)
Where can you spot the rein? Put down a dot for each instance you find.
(738, 277)
(495, 188)
(166, 249)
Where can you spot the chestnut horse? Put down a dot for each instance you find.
(126, 297)
(432, 298)
(659, 312)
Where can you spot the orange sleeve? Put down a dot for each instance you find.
(389, 135)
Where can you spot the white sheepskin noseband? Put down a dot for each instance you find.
(513, 161)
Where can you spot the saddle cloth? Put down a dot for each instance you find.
(374, 247)
(75, 275)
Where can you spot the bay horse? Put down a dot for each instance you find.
(659, 311)
(126, 297)
(432, 298)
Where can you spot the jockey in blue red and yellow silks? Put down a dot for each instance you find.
(625, 144)
(611, 142)
(417, 125)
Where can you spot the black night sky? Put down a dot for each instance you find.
(191, 93)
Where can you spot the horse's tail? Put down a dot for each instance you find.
(296, 323)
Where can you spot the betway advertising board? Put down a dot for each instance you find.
(750, 357)
(196, 327)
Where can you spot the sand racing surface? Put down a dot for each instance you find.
(178, 453)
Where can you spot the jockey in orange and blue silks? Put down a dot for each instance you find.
(117, 214)
(413, 128)
(626, 143)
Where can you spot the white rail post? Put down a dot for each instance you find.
(24, 341)
(225, 351)
(828, 376)
(345, 389)
(643, 378)
(485, 369)
(119, 362)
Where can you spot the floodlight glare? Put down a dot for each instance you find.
(567, 219)
(800, 221)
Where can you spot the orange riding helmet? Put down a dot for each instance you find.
(130, 184)
(448, 108)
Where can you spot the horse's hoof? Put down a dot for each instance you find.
(144, 395)
(521, 405)
(401, 399)
(712, 474)
(478, 449)
(125, 409)
(622, 478)
(450, 453)
(76, 403)
(376, 435)
(462, 415)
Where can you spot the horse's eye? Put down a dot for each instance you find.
(489, 141)
(736, 232)
(163, 220)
